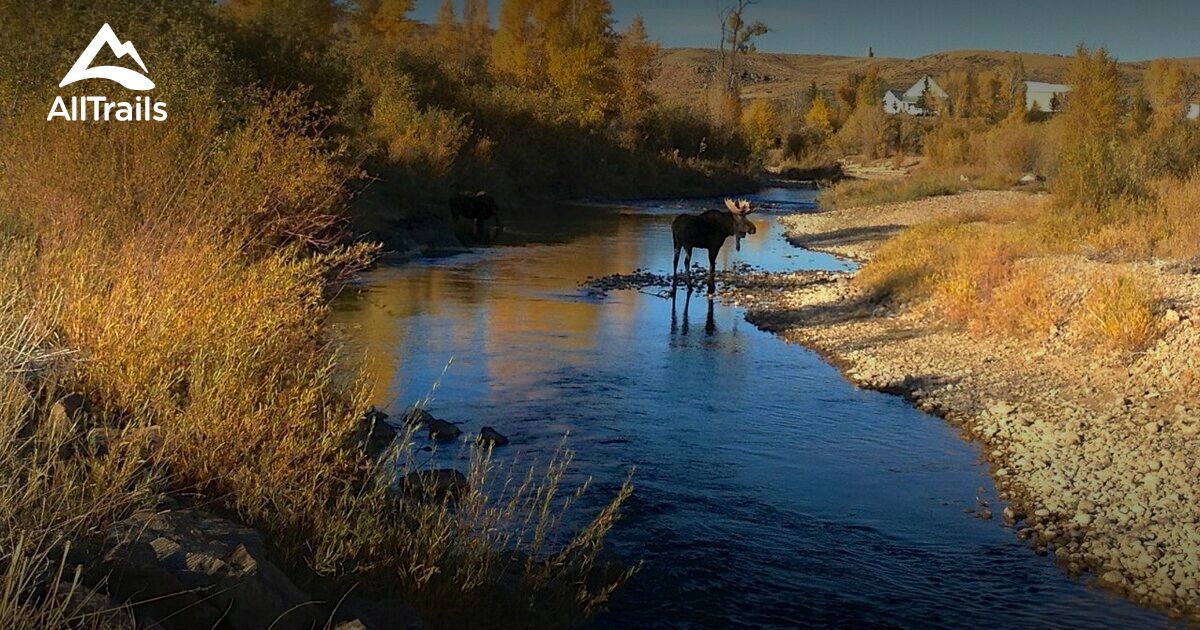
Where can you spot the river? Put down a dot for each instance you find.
(769, 490)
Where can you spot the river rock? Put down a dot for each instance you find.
(69, 410)
(417, 417)
(182, 568)
(355, 613)
(491, 437)
(434, 484)
(442, 431)
(375, 435)
(67, 416)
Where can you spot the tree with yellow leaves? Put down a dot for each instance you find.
(987, 103)
(819, 115)
(579, 45)
(1170, 88)
(477, 32)
(760, 126)
(298, 18)
(636, 67)
(960, 85)
(388, 18)
(1093, 169)
(447, 34)
(513, 48)
(1012, 88)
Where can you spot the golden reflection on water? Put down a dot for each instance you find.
(513, 297)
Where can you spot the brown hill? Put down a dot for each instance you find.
(686, 71)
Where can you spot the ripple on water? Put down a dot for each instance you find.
(769, 491)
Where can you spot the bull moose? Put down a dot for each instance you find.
(709, 230)
(478, 207)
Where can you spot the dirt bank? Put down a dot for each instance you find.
(1098, 454)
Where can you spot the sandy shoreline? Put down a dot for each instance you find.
(1098, 455)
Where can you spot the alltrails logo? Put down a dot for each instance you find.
(83, 108)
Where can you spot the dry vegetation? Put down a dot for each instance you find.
(1124, 190)
(194, 302)
(179, 275)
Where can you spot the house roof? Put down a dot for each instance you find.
(919, 87)
(1038, 86)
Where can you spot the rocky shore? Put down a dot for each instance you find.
(1098, 455)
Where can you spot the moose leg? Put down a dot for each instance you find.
(712, 271)
(687, 267)
(675, 270)
(478, 227)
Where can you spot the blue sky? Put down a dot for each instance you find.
(1131, 29)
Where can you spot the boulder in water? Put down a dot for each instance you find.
(491, 437)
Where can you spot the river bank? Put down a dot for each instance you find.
(1095, 453)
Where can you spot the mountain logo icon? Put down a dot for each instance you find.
(82, 69)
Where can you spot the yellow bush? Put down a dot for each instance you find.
(907, 266)
(760, 125)
(1024, 306)
(979, 262)
(188, 268)
(1119, 311)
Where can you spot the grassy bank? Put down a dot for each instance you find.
(179, 276)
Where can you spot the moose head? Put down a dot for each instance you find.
(742, 226)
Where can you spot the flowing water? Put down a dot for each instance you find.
(769, 490)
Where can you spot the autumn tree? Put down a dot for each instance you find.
(388, 18)
(819, 116)
(737, 41)
(1012, 88)
(292, 18)
(866, 93)
(476, 27)
(636, 66)
(760, 126)
(1169, 88)
(1140, 112)
(987, 102)
(447, 32)
(513, 51)
(847, 91)
(960, 85)
(579, 45)
(1092, 166)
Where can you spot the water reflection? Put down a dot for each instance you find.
(710, 325)
(769, 492)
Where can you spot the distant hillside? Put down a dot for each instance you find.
(685, 71)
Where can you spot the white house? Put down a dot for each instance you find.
(897, 102)
(1044, 97)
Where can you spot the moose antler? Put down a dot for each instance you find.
(738, 207)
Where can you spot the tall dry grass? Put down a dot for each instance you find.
(54, 492)
(189, 267)
(997, 272)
